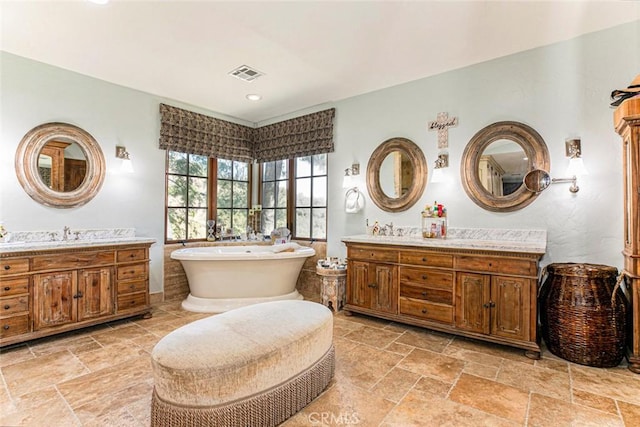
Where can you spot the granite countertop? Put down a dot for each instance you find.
(18, 246)
(524, 241)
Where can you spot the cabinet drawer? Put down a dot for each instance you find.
(496, 265)
(131, 301)
(426, 259)
(135, 271)
(15, 325)
(428, 294)
(426, 277)
(426, 310)
(19, 285)
(14, 266)
(372, 254)
(129, 287)
(14, 305)
(73, 260)
(131, 255)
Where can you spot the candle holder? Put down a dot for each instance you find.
(211, 230)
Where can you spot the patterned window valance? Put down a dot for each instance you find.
(297, 137)
(189, 132)
(193, 133)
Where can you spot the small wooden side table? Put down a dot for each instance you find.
(333, 287)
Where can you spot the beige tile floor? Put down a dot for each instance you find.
(387, 374)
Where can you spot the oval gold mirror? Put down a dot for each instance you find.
(495, 162)
(396, 174)
(60, 165)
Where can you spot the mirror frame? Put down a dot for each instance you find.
(26, 165)
(534, 147)
(415, 155)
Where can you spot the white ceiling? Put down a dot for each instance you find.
(312, 52)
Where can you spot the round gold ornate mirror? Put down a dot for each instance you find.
(60, 165)
(495, 162)
(396, 174)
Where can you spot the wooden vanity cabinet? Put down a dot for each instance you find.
(475, 293)
(47, 292)
(374, 281)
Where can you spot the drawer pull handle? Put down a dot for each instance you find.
(78, 295)
(372, 285)
(424, 311)
(6, 327)
(424, 277)
(424, 259)
(132, 256)
(424, 294)
(7, 288)
(7, 267)
(7, 307)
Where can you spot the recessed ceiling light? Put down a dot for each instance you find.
(254, 97)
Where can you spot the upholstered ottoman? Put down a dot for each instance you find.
(252, 366)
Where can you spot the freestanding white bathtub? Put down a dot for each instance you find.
(225, 277)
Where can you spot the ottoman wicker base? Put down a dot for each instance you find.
(269, 408)
(252, 366)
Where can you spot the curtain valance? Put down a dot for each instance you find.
(193, 133)
(297, 137)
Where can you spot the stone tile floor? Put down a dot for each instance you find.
(387, 374)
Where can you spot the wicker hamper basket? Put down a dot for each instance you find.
(582, 320)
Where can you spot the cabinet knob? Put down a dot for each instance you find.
(424, 259)
(486, 305)
(424, 277)
(7, 288)
(424, 311)
(424, 294)
(7, 307)
(78, 295)
(372, 285)
(6, 327)
(132, 256)
(7, 267)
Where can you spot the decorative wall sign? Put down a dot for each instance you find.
(442, 124)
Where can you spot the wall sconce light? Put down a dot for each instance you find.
(573, 150)
(438, 173)
(122, 153)
(349, 173)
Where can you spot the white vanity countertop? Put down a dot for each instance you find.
(525, 241)
(18, 246)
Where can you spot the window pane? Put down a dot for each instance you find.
(177, 191)
(198, 165)
(198, 192)
(240, 220)
(177, 162)
(320, 164)
(224, 194)
(281, 169)
(268, 224)
(241, 171)
(303, 166)
(303, 223)
(240, 194)
(320, 191)
(268, 195)
(176, 224)
(224, 218)
(268, 171)
(224, 169)
(303, 192)
(197, 224)
(319, 222)
(282, 194)
(281, 218)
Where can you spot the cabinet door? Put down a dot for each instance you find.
(95, 293)
(384, 287)
(473, 302)
(510, 317)
(358, 279)
(53, 299)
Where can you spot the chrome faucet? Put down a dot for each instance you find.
(65, 233)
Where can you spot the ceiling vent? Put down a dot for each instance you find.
(246, 73)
